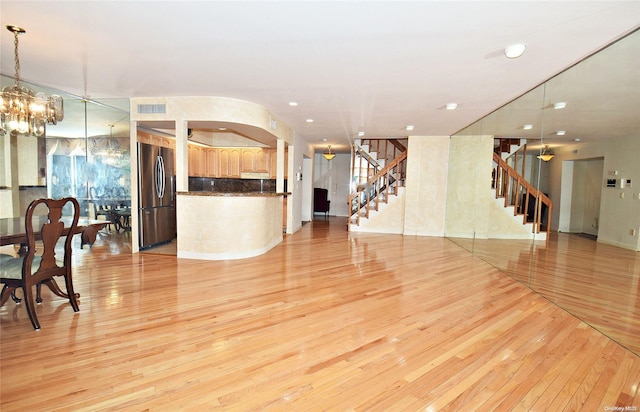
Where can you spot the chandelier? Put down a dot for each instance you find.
(546, 155)
(108, 149)
(328, 154)
(21, 110)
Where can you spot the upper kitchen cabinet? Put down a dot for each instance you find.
(211, 162)
(197, 162)
(162, 141)
(232, 162)
(229, 160)
(256, 160)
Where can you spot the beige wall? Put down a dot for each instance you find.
(227, 227)
(469, 187)
(426, 182)
(389, 218)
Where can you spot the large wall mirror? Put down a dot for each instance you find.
(86, 156)
(587, 119)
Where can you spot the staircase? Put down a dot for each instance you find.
(526, 203)
(376, 203)
(508, 147)
(378, 170)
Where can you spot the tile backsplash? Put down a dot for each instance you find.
(210, 184)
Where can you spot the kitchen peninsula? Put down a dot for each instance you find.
(218, 142)
(242, 220)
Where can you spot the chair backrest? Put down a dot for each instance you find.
(50, 229)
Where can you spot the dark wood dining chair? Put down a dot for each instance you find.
(37, 269)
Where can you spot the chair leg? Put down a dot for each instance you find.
(30, 305)
(6, 292)
(73, 297)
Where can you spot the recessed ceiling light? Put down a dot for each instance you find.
(527, 127)
(309, 120)
(515, 50)
(222, 128)
(293, 103)
(324, 139)
(577, 139)
(560, 105)
(409, 127)
(360, 134)
(451, 106)
(560, 133)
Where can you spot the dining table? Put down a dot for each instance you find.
(13, 232)
(115, 209)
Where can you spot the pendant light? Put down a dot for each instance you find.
(546, 155)
(21, 110)
(328, 154)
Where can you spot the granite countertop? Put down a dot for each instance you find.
(236, 194)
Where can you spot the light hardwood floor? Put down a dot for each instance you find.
(327, 320)
(598, 283)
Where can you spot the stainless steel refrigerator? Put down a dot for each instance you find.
(156, 194)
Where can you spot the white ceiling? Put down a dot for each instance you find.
(372, 66)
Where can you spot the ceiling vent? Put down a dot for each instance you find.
(152, 108)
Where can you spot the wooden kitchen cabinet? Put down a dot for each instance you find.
(197, 162)
(212, 168)
(162, 141)
(274, 163)
(229, 160)
(256, 160)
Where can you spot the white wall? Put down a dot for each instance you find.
(307, 195)
(586, 195)
(299, 206)
(619, 207)
(334, 175)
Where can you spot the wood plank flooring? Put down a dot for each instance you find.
(328, 320)
(598, 283)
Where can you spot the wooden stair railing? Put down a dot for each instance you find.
(380, 185)
(519, 193)
(386, 148)
(504, 145)
(365, 164)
